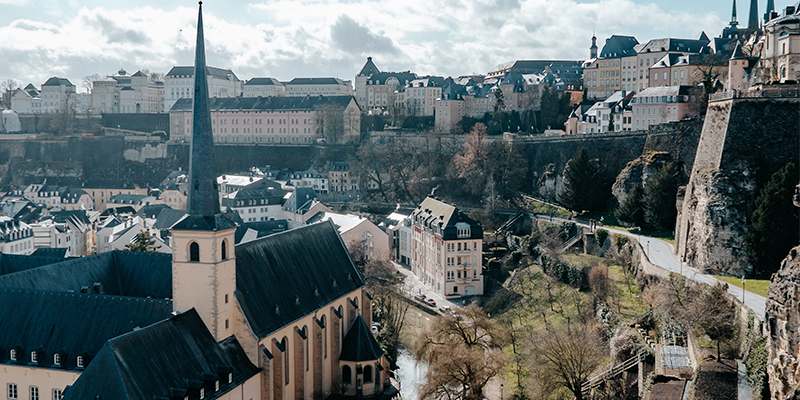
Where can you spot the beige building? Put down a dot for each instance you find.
(101, 196)
(446, 249)
(780, 46)
(179, 84)
(123, 93)
(648, 54)
(274, 120)
(660, 105)
(263, 87)
(301, 87)
(363, 238)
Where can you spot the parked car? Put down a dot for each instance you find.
(430, 302)
(444, 309)
(420, 297)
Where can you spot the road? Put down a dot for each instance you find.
(662, 255)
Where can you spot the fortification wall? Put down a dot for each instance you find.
(743, 142)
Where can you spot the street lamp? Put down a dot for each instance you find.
(743, 288)
(501, 391)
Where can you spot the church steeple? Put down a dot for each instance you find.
(752, 22)
(770, 9)
(734, 21)
(203, 200)
(593, 49)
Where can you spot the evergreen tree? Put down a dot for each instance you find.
(659, 197)
(773, 229)
(583, 184)
(631, 210)
(143, 242)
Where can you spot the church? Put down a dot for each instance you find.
(282, 317)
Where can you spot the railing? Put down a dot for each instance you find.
(768, 93)
(612, 372)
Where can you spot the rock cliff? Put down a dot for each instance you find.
(743, 142)
(783, 317)
(638, 171)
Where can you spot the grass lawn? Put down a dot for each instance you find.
(539, 207)
(757, 286)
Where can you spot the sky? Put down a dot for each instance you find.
(313, 38)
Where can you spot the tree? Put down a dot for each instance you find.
(143, 242)
(506, 168)
(463, 355)
(631, 210)
(471, 162)
(660, 196)
(564, 356)
(7, 88)
(555, 109)
(330, 122)
(583, 183)
(499, 107)
(611, 122)
(772, 231)
(88, 81)
(718, 315)
(385, 283)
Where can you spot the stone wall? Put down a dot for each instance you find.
(783, 321)
(743, 142)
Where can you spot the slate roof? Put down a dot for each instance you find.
(369, 68)
(358, 344)
(261, 228)
(210, 71)
(168, 217)
(151, 210)
(315, 81)
(11, 263)
(120, 273)
(72, 323)
(55, 252)
(381, 77)
(435, 214)
(300, 200)
(262, 82)
(204, 223)
(265, 103)
(670, 44)
(619, 46)
(312, 265)
(151, 363)
(55, 81)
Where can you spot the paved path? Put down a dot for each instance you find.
(414, 286)
(661, 254)
(745, 391)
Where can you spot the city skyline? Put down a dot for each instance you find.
(332, 37)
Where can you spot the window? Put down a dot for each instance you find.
(57, 359)
(285, 344)
(367, 373)
(194, 252)
(225, 251)
(57, 394)
(34, 393)
(12, 391)
(13, 355)
(324, 339)
(34, 357)
(80, 361)
(347, 374)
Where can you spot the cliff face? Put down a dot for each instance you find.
(783, 317)
(638, 171)
(743, 142)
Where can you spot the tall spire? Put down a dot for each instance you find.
(203, 200)
(752, 22)
(733, 14)
(770, 9)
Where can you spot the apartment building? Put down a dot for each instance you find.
(446, 248)
(123, 93)
(179, 84)
(659, 105)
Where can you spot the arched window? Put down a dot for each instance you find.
(285, 344)
(305, 333)
(225, 249)
(13, 355)
(324, 338)
(194, 252)
(347, 374)
(368, 374)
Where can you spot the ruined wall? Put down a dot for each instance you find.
(783, 321)
(743, 142)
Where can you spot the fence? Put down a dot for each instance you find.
(769, 93)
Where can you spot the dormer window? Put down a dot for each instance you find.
(80, 361)
(34, 356)
(57, 359)
(13, 355)
(202, 393)
(216, 386)
(230, 377)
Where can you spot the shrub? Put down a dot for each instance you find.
(619, 240)
(601, 235)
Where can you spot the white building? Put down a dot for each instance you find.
(659, 105)
(261, 200)
(55, 96)
(123, 93)
(301, 87)
(179, 84)
(16, 237)
(263, 87)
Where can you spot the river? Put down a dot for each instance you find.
(409, 374)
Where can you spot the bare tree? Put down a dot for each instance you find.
(385, 284)
(88, 81)
(564, 356)
(463, 355)
(8, 87)
(471, 162)
(330, 122)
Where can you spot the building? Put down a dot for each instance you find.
(123, 93)
(365, 240)
(301, 87)
(101, 196)
(309, 178)
(780, 50)
(179, 84)
(261, 200)
(362, 77)
(16, 237)
(54, 196)
(446, 248)
(300, 205)
(614, 69)
(648, 54)
(398, 227)
(56, 95)
(341, 178)
(609, 112)
(283, 317)
(274, 120)
(419, 95)
(660, 105)
(263, 87)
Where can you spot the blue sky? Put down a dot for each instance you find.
(287, 39)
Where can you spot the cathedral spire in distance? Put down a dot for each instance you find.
(734, 21)
(203, 197)
(752, 23)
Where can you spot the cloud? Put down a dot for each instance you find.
(354, 38)
(289, 38)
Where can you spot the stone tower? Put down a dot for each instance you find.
(593, 49)
(203, 256)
